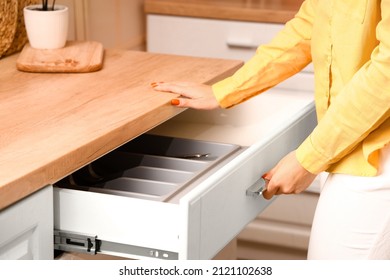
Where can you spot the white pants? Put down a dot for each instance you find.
(352, 219)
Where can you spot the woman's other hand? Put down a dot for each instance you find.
(287, 177)
(192, 95)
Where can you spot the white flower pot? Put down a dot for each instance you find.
(46, 29)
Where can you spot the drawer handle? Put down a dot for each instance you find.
(257, 188)
(241, 44)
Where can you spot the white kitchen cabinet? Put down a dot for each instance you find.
(27, 228)
(206, 37)
(213, 38)
(280, 232)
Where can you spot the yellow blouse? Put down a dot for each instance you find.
(348, 42)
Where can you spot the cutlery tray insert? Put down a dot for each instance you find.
(149, 167)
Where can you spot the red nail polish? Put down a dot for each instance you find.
(175, 101)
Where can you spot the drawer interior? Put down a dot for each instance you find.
(149, 167)
(244, 124)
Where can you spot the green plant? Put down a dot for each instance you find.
(45, 5)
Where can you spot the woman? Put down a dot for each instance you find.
(348, 42)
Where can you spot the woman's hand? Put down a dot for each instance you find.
(287, 177)
(192, 95)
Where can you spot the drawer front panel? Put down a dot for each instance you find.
(117, 219)
(207, 37)
(220, 208)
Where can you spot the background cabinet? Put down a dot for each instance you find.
(282, 230)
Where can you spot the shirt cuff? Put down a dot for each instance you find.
(221, 90)
(310, 158)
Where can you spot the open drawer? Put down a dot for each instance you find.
(178, 198)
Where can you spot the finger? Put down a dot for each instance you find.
(168, 87)
(268, 194)
(184, 89)
(192, 103)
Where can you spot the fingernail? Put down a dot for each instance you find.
(154, 84)
(175, 101)
(265, 178)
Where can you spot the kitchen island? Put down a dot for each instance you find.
(53, 124)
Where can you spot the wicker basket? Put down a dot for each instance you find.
(12, 31)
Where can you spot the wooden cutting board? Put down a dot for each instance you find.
(75, 57)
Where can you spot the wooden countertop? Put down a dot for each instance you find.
(275, 11)
(53, 124)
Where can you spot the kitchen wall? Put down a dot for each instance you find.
(115, 23)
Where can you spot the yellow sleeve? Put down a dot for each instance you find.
(360, 108)
(285, 55)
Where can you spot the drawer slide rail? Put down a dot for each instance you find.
(73, 242)
(87, 244)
